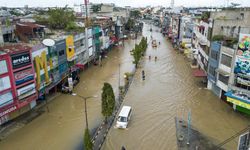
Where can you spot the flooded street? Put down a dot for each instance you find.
(169, 91)
(62, 127)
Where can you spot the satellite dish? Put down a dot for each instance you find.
(48, 42)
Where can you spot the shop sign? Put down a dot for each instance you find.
(26, 91)
(242, 61)
(42, 63)
(4, 119)
(70, 47)
(8, 111)
(238, 103)
(70, 81)
(20, 60)
(23, 76)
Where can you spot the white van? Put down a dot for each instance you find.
(124, 117)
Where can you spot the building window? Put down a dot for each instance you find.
(61, 52)
(4, 83)
(6, 99)
(212, 70)
(226, 60)
(223, 79)
(214, 55)
(3, 66)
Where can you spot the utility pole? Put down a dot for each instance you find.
(86, 13)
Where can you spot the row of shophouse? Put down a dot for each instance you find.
(217, 43)
(30, 70)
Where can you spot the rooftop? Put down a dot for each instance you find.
(15, 48)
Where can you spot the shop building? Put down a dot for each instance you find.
(17, 83)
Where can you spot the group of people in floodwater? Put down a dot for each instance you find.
(149, 57)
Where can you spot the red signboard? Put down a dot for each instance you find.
(8, 111)
(23, 76)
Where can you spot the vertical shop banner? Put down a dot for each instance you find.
(242, 61)
(23, 76)
(20, 60)
(70, 47)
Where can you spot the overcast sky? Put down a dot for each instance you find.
(134, 3)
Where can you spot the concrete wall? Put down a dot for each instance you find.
(231, 22)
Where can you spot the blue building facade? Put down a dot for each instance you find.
(212, 66)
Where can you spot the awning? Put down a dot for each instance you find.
(199, 73)
(222, 72)
(81, 66)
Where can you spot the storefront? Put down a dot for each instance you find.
(17, 82)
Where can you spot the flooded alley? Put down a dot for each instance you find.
(169, 91)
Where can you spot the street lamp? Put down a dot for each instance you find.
(85, 105)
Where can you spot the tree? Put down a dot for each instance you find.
(135, 14)
(108, 100)
(139, 50)
(130, 24)
(87, 140)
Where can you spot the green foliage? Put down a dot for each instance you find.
(218, 38)
(205, 15)
(227, 41)
(60, 18)
(108, 100)
(135, 14)
(130, 24)
(41, 19)
(96, 7)
(87, 140)
(139, 50)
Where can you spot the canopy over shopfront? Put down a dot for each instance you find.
(199, 73)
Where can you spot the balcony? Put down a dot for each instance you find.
(79, 36)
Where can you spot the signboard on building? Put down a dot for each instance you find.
(8, 111)
(23, 76)
(70, 81)
(42, 67)
(26, 91)
(242, 61)
(244, 141)
(20, 60)
(70, 50)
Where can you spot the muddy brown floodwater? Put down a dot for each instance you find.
(62, 127)
(168, 91)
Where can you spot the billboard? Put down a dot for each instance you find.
(26, 91)
(20, 60)
(70, 47)
(242, 60)
(23, 76)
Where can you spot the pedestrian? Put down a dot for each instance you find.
(149, 57)
(159, 43)
(155, 58)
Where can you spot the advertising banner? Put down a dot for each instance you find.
(70, 47)
(20, 60)
(23, 76)
(26, 91)
(242, 60)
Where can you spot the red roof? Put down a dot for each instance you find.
(15, 48)
(199, 73)
(29, 24)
